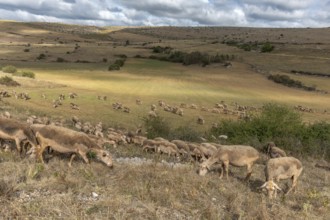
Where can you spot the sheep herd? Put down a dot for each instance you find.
(32, 140)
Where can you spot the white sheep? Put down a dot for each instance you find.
(278, 169)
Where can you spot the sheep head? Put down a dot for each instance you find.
(203, 169)
(271, 188)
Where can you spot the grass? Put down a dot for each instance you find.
(150, 81)
(151, 191)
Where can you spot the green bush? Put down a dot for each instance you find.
(114, 67)
(28, 74)
(60, 60)
(267, 47)
(8, 81)
(41, 56)
(120, 62)
(282, 125)
(157, 127)
(9, 69)
(287, 81)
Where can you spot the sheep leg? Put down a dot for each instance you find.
(71, 159)
(249, 172)
(226, 167)
(18, 145)
(294, 183)
(221, 171)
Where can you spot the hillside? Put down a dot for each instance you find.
(218, 74)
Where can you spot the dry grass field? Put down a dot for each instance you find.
(153, 189)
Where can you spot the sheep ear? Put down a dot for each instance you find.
(277, 187)
(263, 186)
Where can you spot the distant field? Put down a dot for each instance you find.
(151, 81)
(245, 83)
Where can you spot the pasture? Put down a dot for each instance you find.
(156, 190)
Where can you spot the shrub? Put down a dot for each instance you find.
(8, 81)
(26, 50)
(60, 60)
(267, 47)
(157, 127)
(287, 81)
(120, 62)
(9, 69)
(104, 60)
(282, 125)
(28, 74)
(41, 56)
(114, 67)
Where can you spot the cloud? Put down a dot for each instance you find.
(265, 13)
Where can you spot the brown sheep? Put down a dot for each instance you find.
(273, 151)
(279, 169)
(64, 140)
(19, 132)
(236, 155)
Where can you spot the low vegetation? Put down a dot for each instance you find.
(276, 123)
(287, 81)
(281, 125)
(191, 58)
(8, 81)
(9, 69)
(117, 64)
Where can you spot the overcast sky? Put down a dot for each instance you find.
(256, 13)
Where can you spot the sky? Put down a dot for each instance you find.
(243, 13)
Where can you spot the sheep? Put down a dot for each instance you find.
(64, 140)
(153, 107)
(279, 169)
(166, 150)
(273, 151)
(200, 120)
(152, 114)
(138, 140)
(73, 95)
(138, 102)
(74, 106)
(180, 111)
(19, 132)
(236, 155)
(149, 144)
(181, 145)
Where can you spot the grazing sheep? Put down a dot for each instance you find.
(153, 107)
(279, 169)
(181, 145)
(273, 151)
(74, 106)
(152, 114)
(149, 144)
(180, 111)
(126, 109)
(200, 120)
(193, 106)
(161, 103)
(138, 140)
(236, 155)
(73, 95)
(166, 150)
(19, 132)
(64, 140)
